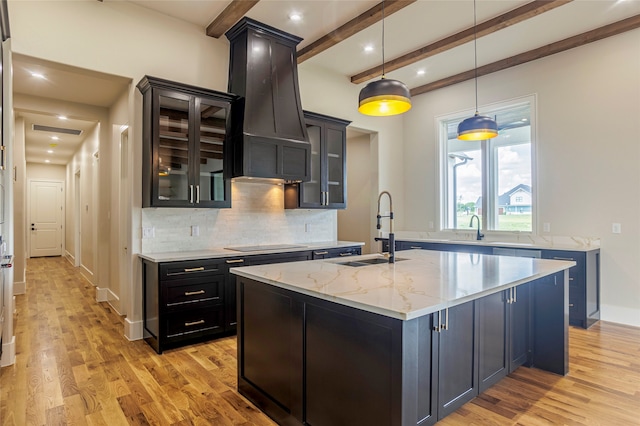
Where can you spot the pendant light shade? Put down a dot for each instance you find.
(478, 127)
(384, 97)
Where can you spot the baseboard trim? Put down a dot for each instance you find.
(133, 330)
(19, 287)
(621, 315)
(8, 353)
(87, 274)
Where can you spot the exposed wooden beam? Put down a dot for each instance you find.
(550, 49)
(352, 27)
(229, 16)
(505, 20)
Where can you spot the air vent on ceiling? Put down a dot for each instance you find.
(40, 128)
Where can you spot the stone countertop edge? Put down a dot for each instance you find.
(275, 275)
(223, 253)
(506, 244)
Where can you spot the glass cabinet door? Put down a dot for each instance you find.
(173, 149)
(335, 166)
(312, 191)
(211, 187)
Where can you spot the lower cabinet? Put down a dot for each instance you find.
(191, 301)
(330, 364)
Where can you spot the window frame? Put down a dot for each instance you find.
(489, 171)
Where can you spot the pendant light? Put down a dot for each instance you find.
(385, 96)
(479, 127)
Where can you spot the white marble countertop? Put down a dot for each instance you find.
(581, 244)
(224, 252)
(424, 282)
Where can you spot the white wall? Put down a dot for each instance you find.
(46, 171)
(19, 208)
(588, 106)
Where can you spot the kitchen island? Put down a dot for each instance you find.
(335, 342)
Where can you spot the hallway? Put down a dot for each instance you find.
(73, 366)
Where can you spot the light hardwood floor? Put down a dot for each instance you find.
(73, 366)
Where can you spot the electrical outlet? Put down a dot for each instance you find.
(307, 227)
(616, 228)
(195, 230)
(148, 232)
(430, 225)
(546, 227)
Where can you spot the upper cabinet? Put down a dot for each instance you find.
(327, 187)
(185, 148)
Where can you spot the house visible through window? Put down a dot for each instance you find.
(492, 178)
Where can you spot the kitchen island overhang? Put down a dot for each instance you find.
(323, 342)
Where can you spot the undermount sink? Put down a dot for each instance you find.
(366, 262)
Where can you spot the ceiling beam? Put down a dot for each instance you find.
(550, 49)
(229, 16)
(505, 20)
(352, 27)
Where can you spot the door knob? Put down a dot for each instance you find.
(33, 229)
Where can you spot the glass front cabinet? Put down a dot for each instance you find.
(184, 138)
(327, 187)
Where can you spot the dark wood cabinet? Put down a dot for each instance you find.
(327, 187)
(196, 300)
(185, 148)
(183, 302)
(457, 359)
(336, 252)
(584, 285)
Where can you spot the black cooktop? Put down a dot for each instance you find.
(264, 247)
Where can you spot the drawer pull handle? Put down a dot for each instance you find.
(321, 253)
(201, 268)
(564, 258)
(570, 279)
(571, 305)
(235, 261)
(346, 254)
(416, 247)
(193, 293)
(189, 324)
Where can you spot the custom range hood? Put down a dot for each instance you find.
(268, 137)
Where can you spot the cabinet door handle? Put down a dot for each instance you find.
(436, 327)
(189, 324)
(327, 199)
(197, 194)
(416, 247)
(445, 326)
(564, 258)
(321, 253)
(191, 193)
(570, 279)
(346, 254)
(193, 293)
(3, 166)
(235, 261)
(201, 268)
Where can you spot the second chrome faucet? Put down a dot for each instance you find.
(392, 240)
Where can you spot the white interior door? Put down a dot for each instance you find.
(45, 218)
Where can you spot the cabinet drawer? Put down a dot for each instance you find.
(195, 322)
(191, 268)
(180, 293)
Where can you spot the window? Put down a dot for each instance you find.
(492, 178)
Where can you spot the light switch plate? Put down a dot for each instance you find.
(148, 232)
(195, 230)
(616, 228)
(546, 227)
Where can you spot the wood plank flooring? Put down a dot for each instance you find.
(74, 367)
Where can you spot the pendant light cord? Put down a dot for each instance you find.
(475, 53)
(383, 38)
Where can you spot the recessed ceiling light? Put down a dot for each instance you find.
(55, 138)
(368, 48)
(62, 117)
(47, 161)
(295, 17)
(421, 72)
(37, 75)
(50, 151)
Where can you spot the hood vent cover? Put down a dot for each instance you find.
(268, 132)
(41, 128)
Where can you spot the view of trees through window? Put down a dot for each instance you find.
(492, 178)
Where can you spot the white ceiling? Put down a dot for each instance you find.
(415, 26)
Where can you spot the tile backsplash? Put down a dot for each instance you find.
(257, 216)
